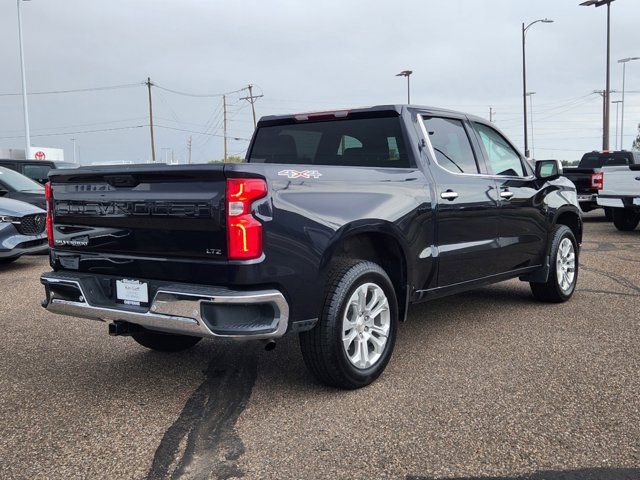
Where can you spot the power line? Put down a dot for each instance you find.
(78, 132)
(203, 133)
(199, 95)
(76, 90)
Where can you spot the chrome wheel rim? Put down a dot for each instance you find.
(566, 265)
(365, 325)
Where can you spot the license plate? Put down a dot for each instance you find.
(132, 292)
(584, 198)
(636, 201)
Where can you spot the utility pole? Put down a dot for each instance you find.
(25, 107)
(189, 149)
(224, 109)
(491, 114)
(251, 98)
(605, 129)
(153, 146)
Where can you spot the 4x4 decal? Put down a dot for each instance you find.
(300, 173)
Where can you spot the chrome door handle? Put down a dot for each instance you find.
(449, 195)
(506, 194)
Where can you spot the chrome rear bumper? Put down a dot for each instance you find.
(175, 308)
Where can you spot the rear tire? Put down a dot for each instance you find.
(625, 220)
(352, 343)
(5, 261)
(608, 214)
(164, 342)
(563, 274)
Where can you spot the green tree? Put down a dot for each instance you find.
(636, 142)
(230, 159)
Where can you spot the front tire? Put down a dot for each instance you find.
(563, 274)
(353, 341)
(625, 220)
(164, 342)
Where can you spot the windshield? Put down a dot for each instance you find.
(366, 142)
(18, 181)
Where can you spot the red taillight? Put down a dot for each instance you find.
(48, 194)
(597, 180)
(244, 231)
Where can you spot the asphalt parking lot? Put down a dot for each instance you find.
(484, 384)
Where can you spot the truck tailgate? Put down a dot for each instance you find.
(621, 181)
(151, 210)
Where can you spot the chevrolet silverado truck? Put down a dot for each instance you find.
(620, 191)
(336, 223)
(587, 178)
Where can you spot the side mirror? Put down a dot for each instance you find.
(548, 169)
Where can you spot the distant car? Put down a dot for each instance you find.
(37, 170)
(22, 230)
(18, 187)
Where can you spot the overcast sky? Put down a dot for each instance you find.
(305, 55)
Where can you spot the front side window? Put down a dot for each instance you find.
(451, 145)
(503, 159)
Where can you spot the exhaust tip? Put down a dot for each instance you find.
(270, 345)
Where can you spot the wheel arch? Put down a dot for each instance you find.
(572, 219)
(379, 242)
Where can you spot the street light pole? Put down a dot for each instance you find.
(406, 73)
(624, 62)
(617, 102)
(607, 91)
(530, 95)
(524, 80)
(25, 107)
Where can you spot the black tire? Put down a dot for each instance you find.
(551, 291)
(322, 347)
(608, 214)
(625, 220)
(164, 342)
(5, 261)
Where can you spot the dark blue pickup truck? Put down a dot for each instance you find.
(336, 224)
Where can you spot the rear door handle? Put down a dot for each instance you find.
(449, 195)
(506, 194)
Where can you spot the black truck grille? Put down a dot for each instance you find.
(32, 224)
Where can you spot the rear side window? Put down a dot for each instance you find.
(503, 159)
(37, 172)
(366, 142)
(451, 145)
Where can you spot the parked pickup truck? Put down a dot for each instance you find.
(336, 223)
(586, 176)
(620, 191)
